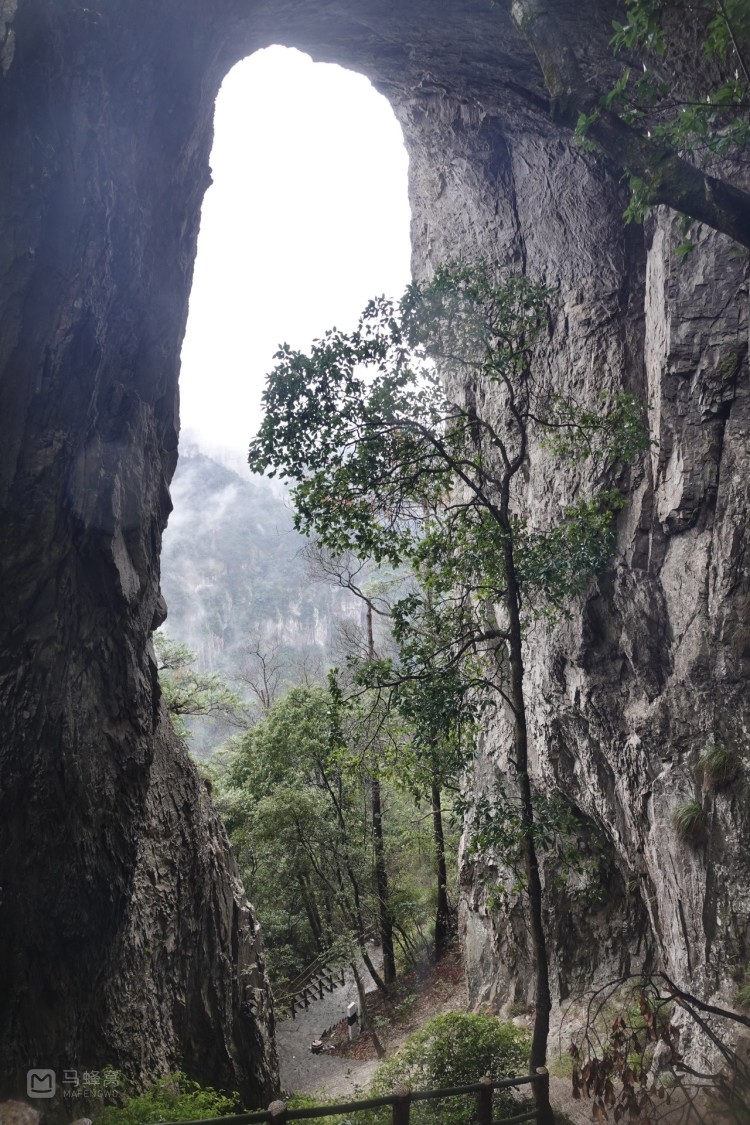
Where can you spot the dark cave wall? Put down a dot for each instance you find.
(123, 923)
(125, 935)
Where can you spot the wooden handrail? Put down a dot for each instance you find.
(321, 967)
(320, 963)
(400, 1101)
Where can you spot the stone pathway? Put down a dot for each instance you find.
(323, 1074)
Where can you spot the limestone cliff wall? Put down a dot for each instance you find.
(125, 935)
(123, 925)
(653, 665)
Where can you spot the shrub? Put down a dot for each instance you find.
(742, 999)
(312, 1101)
(174, 1098)
(720, 764)
(455, 1049)
(689, 820)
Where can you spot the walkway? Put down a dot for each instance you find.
(324, 1074)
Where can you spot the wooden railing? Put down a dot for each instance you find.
(401, 1101)
(313, 982)
(313, 986)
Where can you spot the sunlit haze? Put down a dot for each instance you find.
(306, 220)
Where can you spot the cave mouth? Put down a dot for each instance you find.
(306, 219)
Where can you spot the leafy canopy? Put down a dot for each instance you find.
(402, 437)
(704, 115)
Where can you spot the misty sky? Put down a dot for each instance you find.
(306, 220)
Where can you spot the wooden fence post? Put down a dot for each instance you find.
(541, 1089)
(277, 1112)
(484, 1102)
(401, 1104)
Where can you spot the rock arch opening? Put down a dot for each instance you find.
(306, 219)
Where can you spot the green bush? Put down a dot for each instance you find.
(720, 764)
(742, 999)
(174, 1098)
(455, 1049)
(689, 820)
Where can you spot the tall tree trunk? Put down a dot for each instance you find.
(442, 913)
(311, 909)
(381, 883)
(542, 1000)
(355, 921)
(381, 872)
(353, 915)
(365, 1022)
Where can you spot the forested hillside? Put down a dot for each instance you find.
(232, 573)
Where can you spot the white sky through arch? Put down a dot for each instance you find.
(307, 218)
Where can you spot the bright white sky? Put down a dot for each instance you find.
(306, 220)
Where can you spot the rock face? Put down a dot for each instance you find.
(124, 933)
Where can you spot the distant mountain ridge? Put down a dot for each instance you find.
(232, 574)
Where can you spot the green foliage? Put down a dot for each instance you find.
(720, 763)
(611, 434)
(689, 821)
(742, 999)
(455, 1049)
(174, 1098)
(296, 823)
(377, 448)
(293, 792)
(186, 690)
(371, 454)
(497, 828)
(706, 120)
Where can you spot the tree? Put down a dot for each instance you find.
(432, 750)
(433, 698)
(263, 670)
(658, 135)
(190, 693)
(390, 465)
(346, 572)
(294, 810)
(629, 1056)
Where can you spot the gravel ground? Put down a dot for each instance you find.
(331, 1077)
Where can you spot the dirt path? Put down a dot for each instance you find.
(345, 1078)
